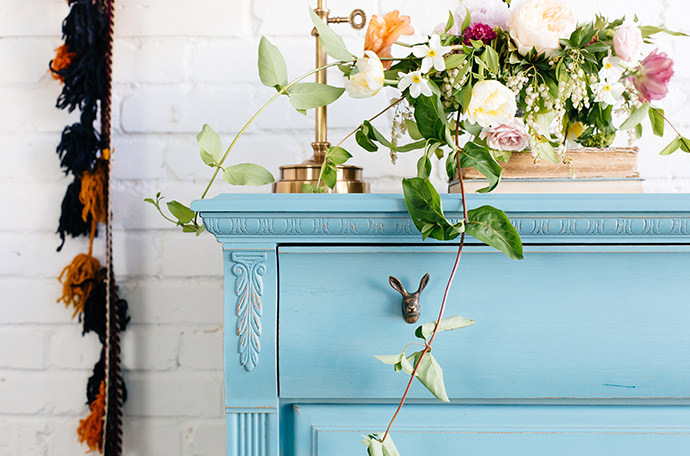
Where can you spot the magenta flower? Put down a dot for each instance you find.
(652, 76)
(478, 31)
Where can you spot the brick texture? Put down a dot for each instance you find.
(178, 65)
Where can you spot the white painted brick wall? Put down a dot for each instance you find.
(178, 64)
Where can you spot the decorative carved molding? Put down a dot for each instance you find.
(250, 434)
(248, 268)
(530, 227)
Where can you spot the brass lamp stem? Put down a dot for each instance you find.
(349, 178)
(320, 144)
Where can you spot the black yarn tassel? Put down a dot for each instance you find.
(84, 31)
(95, 308)
(71, 223)
(79, 146)
(98, 376)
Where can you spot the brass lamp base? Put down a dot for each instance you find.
(292, 177)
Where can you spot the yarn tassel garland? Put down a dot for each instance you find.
(90, 430)
(84, 65)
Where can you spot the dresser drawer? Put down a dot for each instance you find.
(481, 430)
(565, 322)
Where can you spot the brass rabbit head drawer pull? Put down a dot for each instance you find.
(410, 301)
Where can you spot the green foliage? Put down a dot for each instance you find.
(308, 95)
(210, 146)
(492, 227)
(247, 174)
(635, 117)
(656, 117)
(679, 142)
(424, 206)
(338, 155)
(183, 215)
(331, 42)
(377, 448)
(272, 67)
(478, 157)
(425, 330)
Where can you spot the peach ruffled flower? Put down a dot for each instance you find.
(383, 32)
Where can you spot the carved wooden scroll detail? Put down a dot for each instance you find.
(248, 269)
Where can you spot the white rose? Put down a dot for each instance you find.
(491, 104)
(541, 24)
(369, 80)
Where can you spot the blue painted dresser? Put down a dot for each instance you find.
(583, 347)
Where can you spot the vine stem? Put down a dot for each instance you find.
(258, 113)
(427, 347)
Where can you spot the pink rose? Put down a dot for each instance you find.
(627, 41)
(652, 76)
(512, 136)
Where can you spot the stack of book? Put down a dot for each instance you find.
(611, 170)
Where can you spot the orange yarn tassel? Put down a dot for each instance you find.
(78, 281)
(63, 59)
(92, 195)
(90, 430)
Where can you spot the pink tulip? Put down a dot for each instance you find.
(652, 76)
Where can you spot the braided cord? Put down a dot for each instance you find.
(112, 424)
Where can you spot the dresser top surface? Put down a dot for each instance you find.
(393, 203)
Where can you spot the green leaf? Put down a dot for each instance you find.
(331, 42)
(635, 117)
(671, 147)
(423, 166)
(272, 68)
(377, 448)
(492, 227)
(466, 22)
(338, 155)
(638, 131)
(656, 117)
(450, 22)
(329, 174)
(429, 117)
(413, 129)
(181, 212)
(364, 141)
(390, 359)
(430, 374)
(424, 206)
(308, 95)
(545, 152)
(490, 58)
(649, 30)
(210, 145)
(454, 61)
(479, 158)
(247, 174)
(447, 324)
(373, 133)
(374, 447)
(684, 144)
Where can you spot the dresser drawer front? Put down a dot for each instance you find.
(566, 322)
(323, 430)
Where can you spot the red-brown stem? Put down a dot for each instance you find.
(427, 347)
